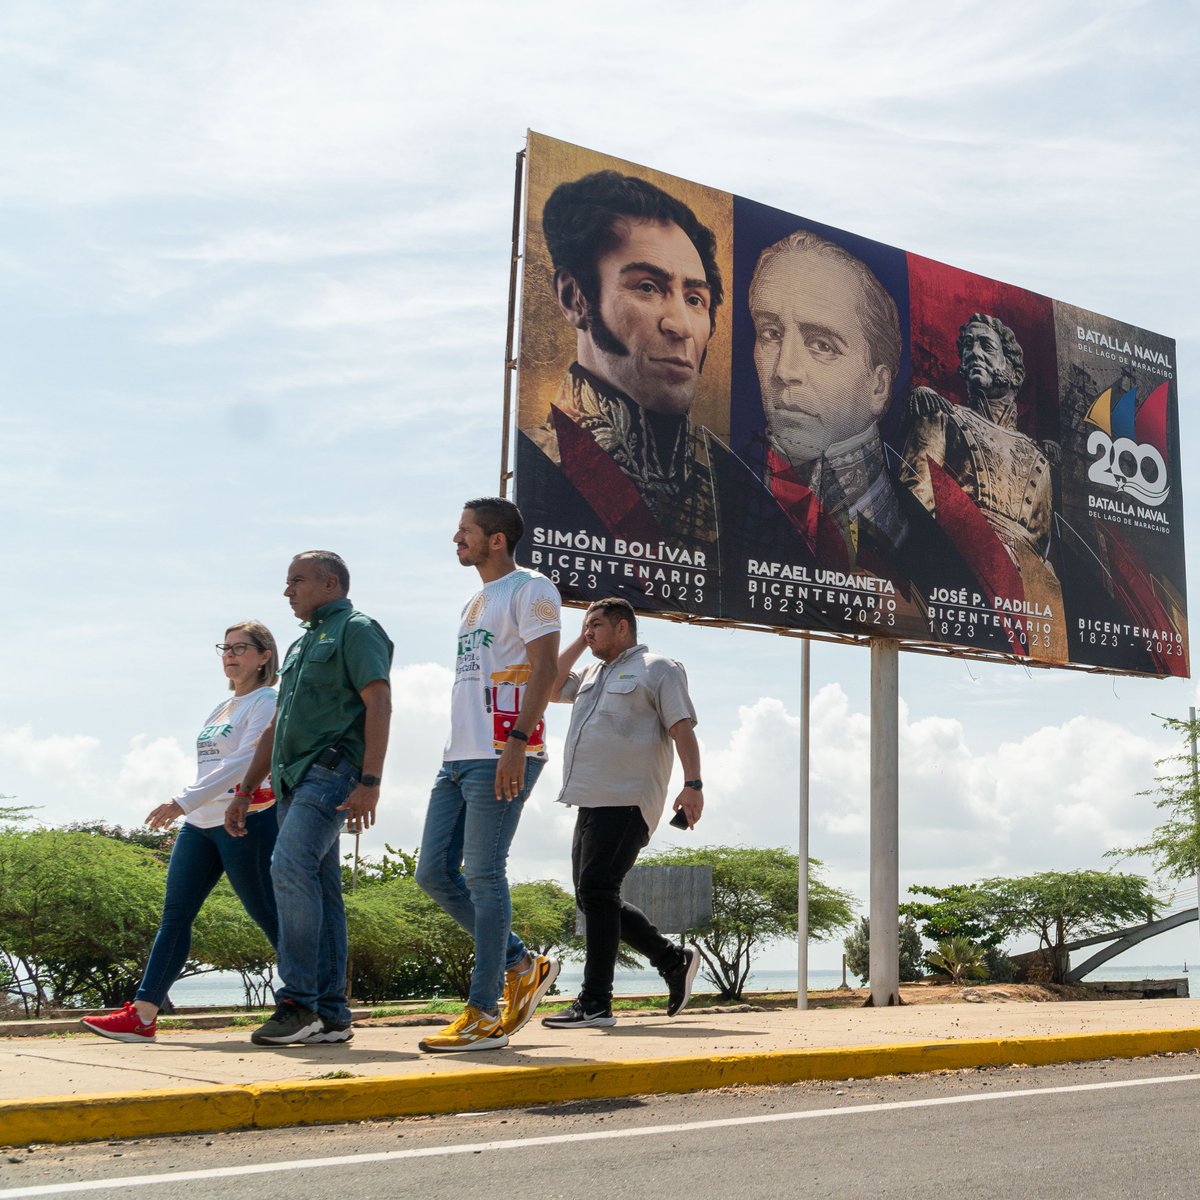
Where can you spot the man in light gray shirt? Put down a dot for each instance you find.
(630, 708)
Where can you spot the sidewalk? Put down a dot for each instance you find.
(67, 1089)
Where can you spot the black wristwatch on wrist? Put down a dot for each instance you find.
(516, 733)
(695, 784)
(369, 781)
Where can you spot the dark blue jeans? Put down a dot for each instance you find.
(199, 858)
(307, 872)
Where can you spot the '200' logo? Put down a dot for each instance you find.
(1128, 466)
(1130, 444)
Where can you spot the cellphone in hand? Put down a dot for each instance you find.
(679, 820)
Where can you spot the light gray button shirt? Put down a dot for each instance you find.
(619, 751)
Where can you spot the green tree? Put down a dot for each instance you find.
(225, 938)
(544, 919)
(1174, 846)
(1057, 906)
(858, 950)
(160, 841)
(754, 902)
(958, 958)
(395, 864)
(1062, 906)
(960, 910)
(388, 959)
(77, 914)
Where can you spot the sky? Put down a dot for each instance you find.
(254, 271)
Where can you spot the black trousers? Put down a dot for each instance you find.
(603, 850)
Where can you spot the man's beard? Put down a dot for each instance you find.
(602, 337)
(1000, 382)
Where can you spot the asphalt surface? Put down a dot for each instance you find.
(1118, 1127)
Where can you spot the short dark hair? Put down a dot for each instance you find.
(328, 563)
(494, 514)
(616, 608)
(578, 222)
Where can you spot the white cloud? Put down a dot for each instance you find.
(152, 771)
(66, 759)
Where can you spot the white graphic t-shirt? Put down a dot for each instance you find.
(492, 666)
(224, 749)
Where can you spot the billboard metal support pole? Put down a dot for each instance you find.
(1195, 791)
(802, 841)
(510, 363)
(885, 822)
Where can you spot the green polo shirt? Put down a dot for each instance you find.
(319, 685)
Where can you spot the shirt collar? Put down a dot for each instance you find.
(612, 662)
(326, 611)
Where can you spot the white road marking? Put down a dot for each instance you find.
(562, 1139)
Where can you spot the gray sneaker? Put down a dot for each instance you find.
(291, 1023)
(330, 1031)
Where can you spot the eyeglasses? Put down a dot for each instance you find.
(237, 649)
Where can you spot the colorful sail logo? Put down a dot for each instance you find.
(1130, 444)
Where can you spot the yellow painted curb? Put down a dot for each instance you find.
(310, 1102)
(125, 1115)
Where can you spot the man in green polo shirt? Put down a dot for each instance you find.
(325, 750)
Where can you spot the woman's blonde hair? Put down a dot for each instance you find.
(260, 635)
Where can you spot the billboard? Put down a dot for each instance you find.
(730, 412)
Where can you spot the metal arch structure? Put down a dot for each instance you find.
(1124, 940)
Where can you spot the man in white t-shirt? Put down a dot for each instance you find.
(506, 662)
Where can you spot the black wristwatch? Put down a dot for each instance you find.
(695, 784)
(516, 733)
(370, 780)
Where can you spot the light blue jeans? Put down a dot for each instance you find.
(307, 873)
(463, 865)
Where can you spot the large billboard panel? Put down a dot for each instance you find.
(729, 411)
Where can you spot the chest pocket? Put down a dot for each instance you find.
(617, 695)
(289, 663)
(321, 666)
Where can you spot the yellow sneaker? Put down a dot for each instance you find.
(523, 991)
(473, 1030)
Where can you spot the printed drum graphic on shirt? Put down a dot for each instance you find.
(546, 612)
(504, 698)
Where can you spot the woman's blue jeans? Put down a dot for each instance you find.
(198, 860)
(464, 861)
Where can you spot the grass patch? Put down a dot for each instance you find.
(337, 1075)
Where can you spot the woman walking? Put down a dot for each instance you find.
(203, 851)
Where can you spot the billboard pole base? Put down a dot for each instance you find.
(885, 823)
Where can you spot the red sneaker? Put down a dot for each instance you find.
(124, 1025)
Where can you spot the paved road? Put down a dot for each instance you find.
(1111, 1128)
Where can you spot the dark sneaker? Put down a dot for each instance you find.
(330, 1031)
(679, 981)
(290, 1024)
(576, 1017)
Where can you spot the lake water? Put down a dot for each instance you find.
(226, 989)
